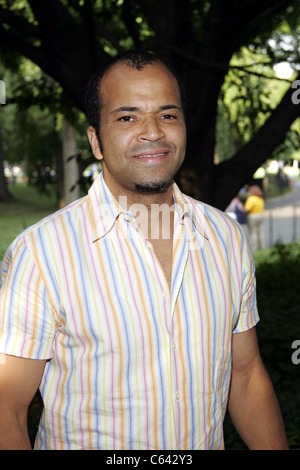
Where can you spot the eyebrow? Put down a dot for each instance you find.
(132, 109)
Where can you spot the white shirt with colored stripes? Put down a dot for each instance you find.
(131, 363)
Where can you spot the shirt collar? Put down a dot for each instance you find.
(105, 209)
(191, 208)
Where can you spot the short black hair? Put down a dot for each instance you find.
(136, 59)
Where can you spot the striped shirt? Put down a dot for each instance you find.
(132, 364)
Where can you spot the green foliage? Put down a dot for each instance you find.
(31, 122)
(246, 100)
(278, 298)
(278, 302)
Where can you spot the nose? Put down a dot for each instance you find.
(151, 130)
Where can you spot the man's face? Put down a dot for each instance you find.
(142, 129)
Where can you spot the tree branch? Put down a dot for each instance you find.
(172, 21)
(220, 66)
(262, 11)
(100, 28)
(13, 41)
(52, 13)
(18, 23)
(246, 161)
(130, 23)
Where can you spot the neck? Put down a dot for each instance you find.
(153, 212)
(129, 197)
(152, 199)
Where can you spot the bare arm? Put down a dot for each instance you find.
(253, 406)
(19, 380)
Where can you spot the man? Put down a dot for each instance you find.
(136, 327)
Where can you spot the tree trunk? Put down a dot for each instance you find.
(60, 174)
(5, 195)
(71, 190)
(231, 175)
(217, 184)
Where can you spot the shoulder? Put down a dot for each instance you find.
(47, 225)
(214, 219)
(222, 233)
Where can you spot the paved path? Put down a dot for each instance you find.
(282, 218)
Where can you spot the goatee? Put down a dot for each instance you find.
(151, 187)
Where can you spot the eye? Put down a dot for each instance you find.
(126, 119)
(167, 117)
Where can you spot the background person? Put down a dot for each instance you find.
(254, 206)
(236, 211)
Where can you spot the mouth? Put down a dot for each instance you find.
(154, 156)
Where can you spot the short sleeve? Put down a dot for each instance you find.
(248, 315)
(27, 326)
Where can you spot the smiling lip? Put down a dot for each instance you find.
(154, 155)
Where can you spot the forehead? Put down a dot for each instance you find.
(152, 82)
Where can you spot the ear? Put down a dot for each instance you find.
(92, 136)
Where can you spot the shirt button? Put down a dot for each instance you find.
(164, 294)
(173, 345)
(177, 396)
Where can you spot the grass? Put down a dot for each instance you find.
(29, 208)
